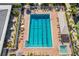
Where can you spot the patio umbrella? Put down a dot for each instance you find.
(28, 11)
(70, 45)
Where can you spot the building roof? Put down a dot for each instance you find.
(4, 18)
(3, 14)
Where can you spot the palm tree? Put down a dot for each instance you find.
(77, 27)
(15, 12)
(44, 5)
(73, 10)
(70, 33)
(78, 36)
(17, 5)
(31, 54)
(71, 21)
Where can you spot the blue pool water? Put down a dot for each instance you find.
(63, 49)
(39, 31)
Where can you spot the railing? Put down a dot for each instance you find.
(17, 33)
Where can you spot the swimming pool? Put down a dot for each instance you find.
(39, 31)
(63, 49)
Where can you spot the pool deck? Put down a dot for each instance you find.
(64, 30)
(54, 50)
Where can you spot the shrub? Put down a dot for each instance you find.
(17, 6)
(15, 12)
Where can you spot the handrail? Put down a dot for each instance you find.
(17, 33)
